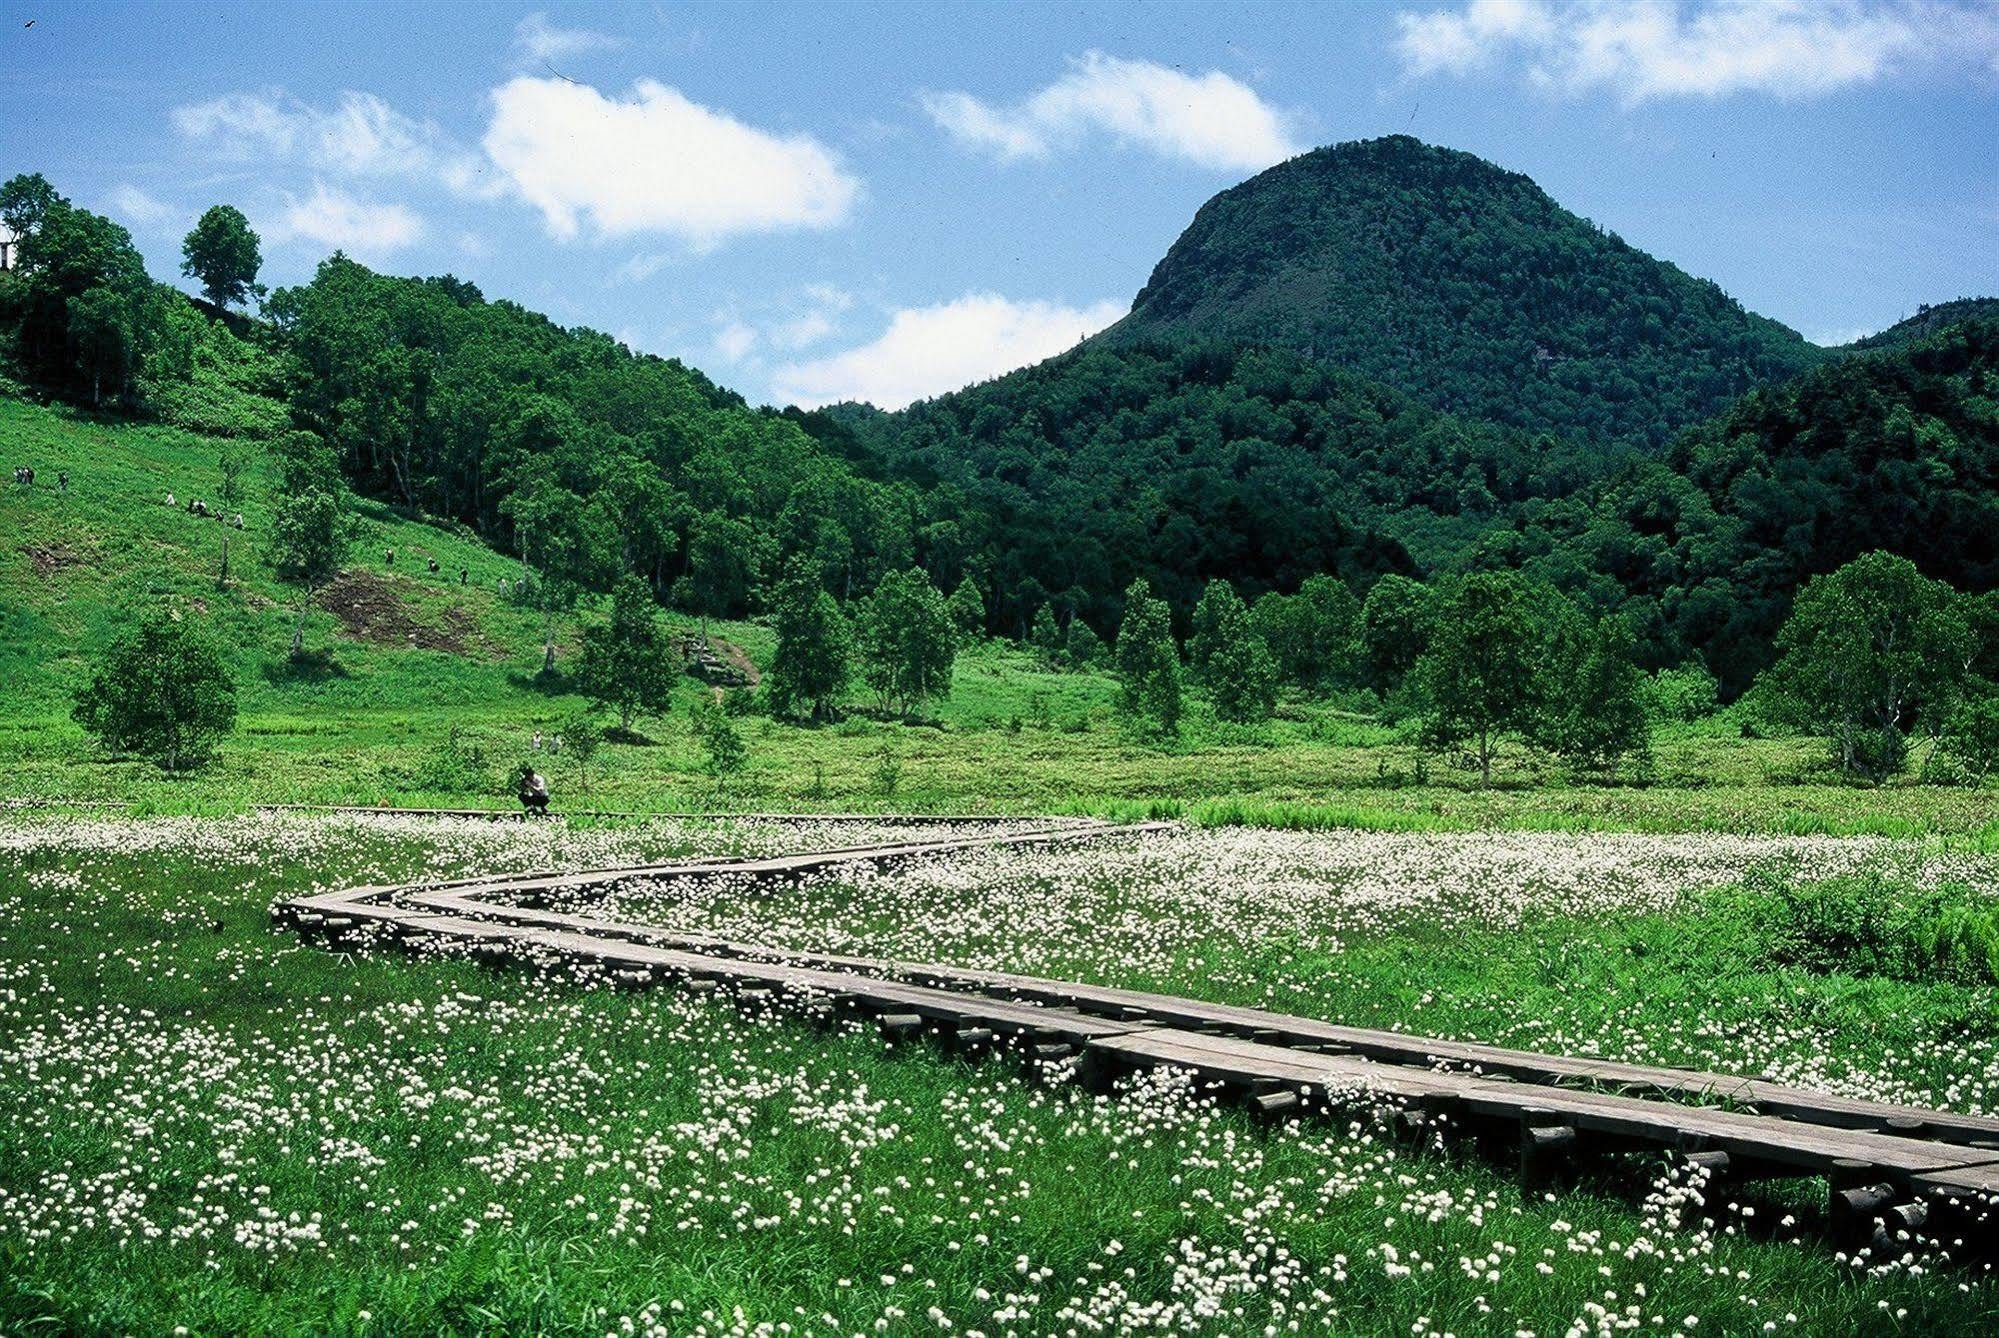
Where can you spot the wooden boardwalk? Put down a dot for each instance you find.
(1892, 1170)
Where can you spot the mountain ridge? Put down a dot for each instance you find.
(1449, 277)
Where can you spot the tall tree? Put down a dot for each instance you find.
(1601, 706)
(625, 663)
(161, 690)
(100, 329)
(1873, 652)
(810, 667)
(223, 256)
(1314, 635)
(967, 607)
(1480, 676)
(310, 534)
(1395, 625)
(1231, 656)
(1148, 663)
(904, 641)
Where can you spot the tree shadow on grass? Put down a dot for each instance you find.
(548, 683)
(312, 666)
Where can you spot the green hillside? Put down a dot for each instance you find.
(1929, 320)
(1465, 285)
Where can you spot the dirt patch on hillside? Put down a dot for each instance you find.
(50, 558)
(371, 609)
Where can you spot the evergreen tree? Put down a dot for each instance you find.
(1234, 662)
(1083, 646)
(1480, 676)
(1047, 638)
(625, 663)
(809, 668)
(1601, 708)
(1873, 652)
(222, 255)
(904, 642)
(1148, 663)
(161, 690)
(967, 607)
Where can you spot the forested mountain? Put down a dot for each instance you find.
(1703, 549)
(1184, 462)
(1465, 285)
(1928, 320)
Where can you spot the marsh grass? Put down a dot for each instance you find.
(371, 1144)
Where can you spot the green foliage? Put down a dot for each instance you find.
(1464, 284)
(1971, 735)
(1231, 658)
(1600, 708)
(1148, 663)
(967, 607)
(1865, 926)
(625, 662)
(1082, 646)
(810, 666)
(905, 644)
(1047, 637)
(723, 753)
(567, 448)
(1873, 651)
(1682, 695)
(160, 690)
(887, 773)
(310, 534)
(1930, 319)
(101, 330)
(1314, 635)
(1704, 550)
(1482, 677)
(222, 255)
(1395, 627)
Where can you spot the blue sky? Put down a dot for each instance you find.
(885, 201)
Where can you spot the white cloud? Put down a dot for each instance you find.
(1646, 49)
(929, 350)
(139, 208)
(333, 218)
(655, 162)
(1209, 119)
(540, 41)
(361, 135)
(735, 340)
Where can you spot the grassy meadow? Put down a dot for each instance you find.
(206, 1127)
(373, 717)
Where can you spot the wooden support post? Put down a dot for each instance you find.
(1547, 1150)
(1860, 1195)
(970, 1040)
(897, 1027)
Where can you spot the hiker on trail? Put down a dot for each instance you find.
(433, 566)
(389, 557)
(555, 745)
(464, 576)
(170, 499)
(534, 793)
(198, 507)
(239, 520)
(62, 480)
(537, 740)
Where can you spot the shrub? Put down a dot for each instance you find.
(161, 691)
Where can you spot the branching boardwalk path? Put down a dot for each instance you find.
(1895, 1172)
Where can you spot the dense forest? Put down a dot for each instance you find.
(1181, 463)
(1465, 285)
